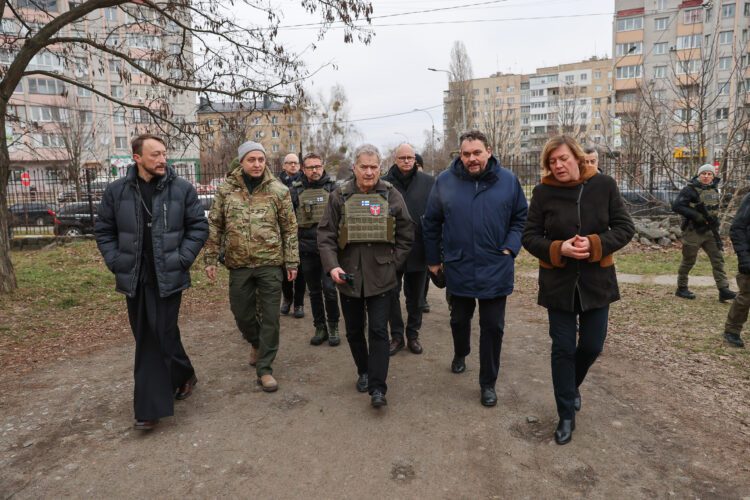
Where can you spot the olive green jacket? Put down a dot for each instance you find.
(253, 230)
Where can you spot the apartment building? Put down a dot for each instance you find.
(53, 116)
(226, 125)
(520, 112)
(682, 74)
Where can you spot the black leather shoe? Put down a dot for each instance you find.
(145, 425)
(285, 307)
(489, 398)
(425, 308)
(377, 399)
(414, 346)
(577, 401)
(734, 339)
(186, 389)
(362, 383)
(458, 365)
(564, 432)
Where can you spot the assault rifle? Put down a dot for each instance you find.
(701, 207)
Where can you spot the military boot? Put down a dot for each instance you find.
(321, 334)
(333, 332)
(684, 293)
(726, 294)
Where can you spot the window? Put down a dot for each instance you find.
(113, 40)
(86, 116)
(46, 5)
(584, 76)
(661, 23)
(598, 100)
(110, 13)
(725, 63)
(685, 115)
(660, 71)
(486, 91)
(686, 67)
(598, 88)
(499, 90)
(81, 67)
(45, 86)
(510, 112)
(570, 78)
(722, 113)
(475, 92)
(511, 88)
(511, 100)
(116, 91)
(661, 4)
(144, 41)
(9, 26)
(118, 117)
(115, 66)
(142, 116)
(747, 8)
(43, 60)
(724, 88)
(720, 139)
(292, 148)
(660, 48)
(82, 92)
(623, 72)
(725, 37)
(597, 114)
(258, 134)
(688, 42)
(709, 13)
(291, 134)
(174, 48)
(274, 120)
(47, 114)
(727, 11)
(630, 24)
(255, 121)
(475, 103)
(275, 148)
(148, 65)
(275, 133)
(47, 141)
(626, 49)
(121, 142)
(693, 16)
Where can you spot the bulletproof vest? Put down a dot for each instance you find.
(312, 201)
(366, 219)
(710, 198)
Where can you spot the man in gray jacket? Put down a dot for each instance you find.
(149, 230)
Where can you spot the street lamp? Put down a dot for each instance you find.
(432, 139)
(463, 97)
(404, 136)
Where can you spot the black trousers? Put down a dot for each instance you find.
(161, 363)
(321, 287)
(491, 326)
(294, 291)
(571, 362)
(413, 284)
(375, 361)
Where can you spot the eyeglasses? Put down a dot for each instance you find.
(313, 167)
(291, 163)
(406, 158)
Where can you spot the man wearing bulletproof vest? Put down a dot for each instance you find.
(293, 292)
(698, 203)
(415, 187)
(364, 236)
(310, 197)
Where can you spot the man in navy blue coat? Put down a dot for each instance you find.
(472, 230)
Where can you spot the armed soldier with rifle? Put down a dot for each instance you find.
(698, 204)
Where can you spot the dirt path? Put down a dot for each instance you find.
(642, 432)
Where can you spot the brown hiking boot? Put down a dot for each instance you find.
(253, 356)
(268, 383)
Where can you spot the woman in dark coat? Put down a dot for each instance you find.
(576, 221)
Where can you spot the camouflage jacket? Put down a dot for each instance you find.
(253, 230)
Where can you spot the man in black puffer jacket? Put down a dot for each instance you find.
(150, 228)
(740, 234)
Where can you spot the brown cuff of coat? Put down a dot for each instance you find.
(596, 248)
(555, 256)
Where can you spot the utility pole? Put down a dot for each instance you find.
(432, 138)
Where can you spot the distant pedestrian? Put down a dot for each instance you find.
(364, 236)
(415, 187)
(740, 234)
(293, 292)
(475, 215)
(252, 218)
(591, 158)
(149, 230)
(577, 220)
(698, 204)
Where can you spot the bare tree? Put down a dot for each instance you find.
(329, 131)
(213, 55)
(459, 92)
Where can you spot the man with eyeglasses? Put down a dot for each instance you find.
(310, 196)
(292, 291)
(364, 236)
(415, 187)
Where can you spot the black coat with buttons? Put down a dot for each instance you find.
(592, 208)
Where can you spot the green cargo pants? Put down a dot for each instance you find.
(737, 314)
(255, 299)
(692, 241)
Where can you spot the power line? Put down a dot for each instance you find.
(380, 117)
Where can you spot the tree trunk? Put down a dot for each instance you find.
(7, 275)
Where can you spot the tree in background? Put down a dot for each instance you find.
(210, 53)
(329, 131)
(459, 94)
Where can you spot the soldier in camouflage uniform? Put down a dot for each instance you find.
(252, 220)
(310, 196)
(698, 203)
(366, 232)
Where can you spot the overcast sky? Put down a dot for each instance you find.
(390, 75)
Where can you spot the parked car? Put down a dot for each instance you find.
(32, 213)
(206, 200)
(650, 200)
(97, 191)
(74, 219)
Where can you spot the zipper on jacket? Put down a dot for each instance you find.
(164, 208)
(138, 214)
(577, 288)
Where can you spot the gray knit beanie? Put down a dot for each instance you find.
(249, 146)
(707, 168)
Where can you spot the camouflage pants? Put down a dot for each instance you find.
(692, 241)
(737, 314)
(255, 294)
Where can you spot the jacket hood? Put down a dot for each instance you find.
(132, 174)
(490, 173)
(696, 183)
(587, 173)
